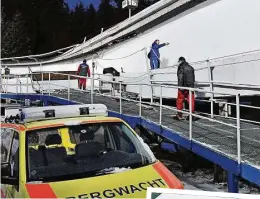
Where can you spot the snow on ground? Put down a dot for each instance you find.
(202, 179)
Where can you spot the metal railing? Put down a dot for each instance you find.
(48, 87)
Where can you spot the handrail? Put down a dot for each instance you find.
(199, 90)
(160, 106)
(142, 84)
(216, 83)
(168, 85)
(139, 84)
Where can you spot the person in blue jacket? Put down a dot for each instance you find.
(154, 54)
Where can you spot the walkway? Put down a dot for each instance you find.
(210, 139)
(214, 136)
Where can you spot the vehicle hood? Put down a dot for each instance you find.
(127, 184)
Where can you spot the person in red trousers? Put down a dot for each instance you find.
(83, 70)
(186, 78)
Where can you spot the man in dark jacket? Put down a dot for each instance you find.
(155, 54)
(83, 70)
(186, 78)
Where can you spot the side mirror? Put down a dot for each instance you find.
(6, 175)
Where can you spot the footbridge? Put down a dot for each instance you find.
(230, 141)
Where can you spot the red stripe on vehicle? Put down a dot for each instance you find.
(171, 180)
(2, 194)
(40, 191)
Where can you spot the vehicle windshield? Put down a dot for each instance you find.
(86, 150)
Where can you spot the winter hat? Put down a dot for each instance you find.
(182, 59)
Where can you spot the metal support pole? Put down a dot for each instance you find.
(68, 87)
(238, 129)
(92, 82)
(92, 90)
(41, 67)
(129, 12)
(226, 110)
(6, 80)
(17, 85)
(6, 84)
(190, 115)
(42, 83)
(140, 100)
(160, 120)
(211, 89)
(2, 84)
(148, 71)
(6, 90)
(120, 97)
(151, 93)
(27, 82)
(20, 84)
(49, 84)
(232, 183)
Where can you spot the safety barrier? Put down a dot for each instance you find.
(50, 87)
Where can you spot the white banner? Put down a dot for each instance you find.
(161, 193)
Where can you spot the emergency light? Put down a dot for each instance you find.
(65, 111)
(11, 115)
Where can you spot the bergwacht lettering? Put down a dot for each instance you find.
(122, 191)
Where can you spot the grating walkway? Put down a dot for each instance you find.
(221, 138)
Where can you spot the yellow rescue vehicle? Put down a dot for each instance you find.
(76, 151)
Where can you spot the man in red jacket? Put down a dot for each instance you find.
(83, 70)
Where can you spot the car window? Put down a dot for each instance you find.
(97, 147)
(6, 139)
(122, 134)
(43, 135)
(14, 156)
(97, 129)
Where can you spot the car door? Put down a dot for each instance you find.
(10, 145)
(6, 143)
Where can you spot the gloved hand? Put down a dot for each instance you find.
(167, 43)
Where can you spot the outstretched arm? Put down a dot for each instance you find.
(162, 45)
(156, 46)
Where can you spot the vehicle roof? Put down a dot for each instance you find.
(47, 123)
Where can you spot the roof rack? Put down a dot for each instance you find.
(55, 112)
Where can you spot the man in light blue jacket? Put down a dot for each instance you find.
(154, 54)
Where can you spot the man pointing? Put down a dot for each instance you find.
(154, 54)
